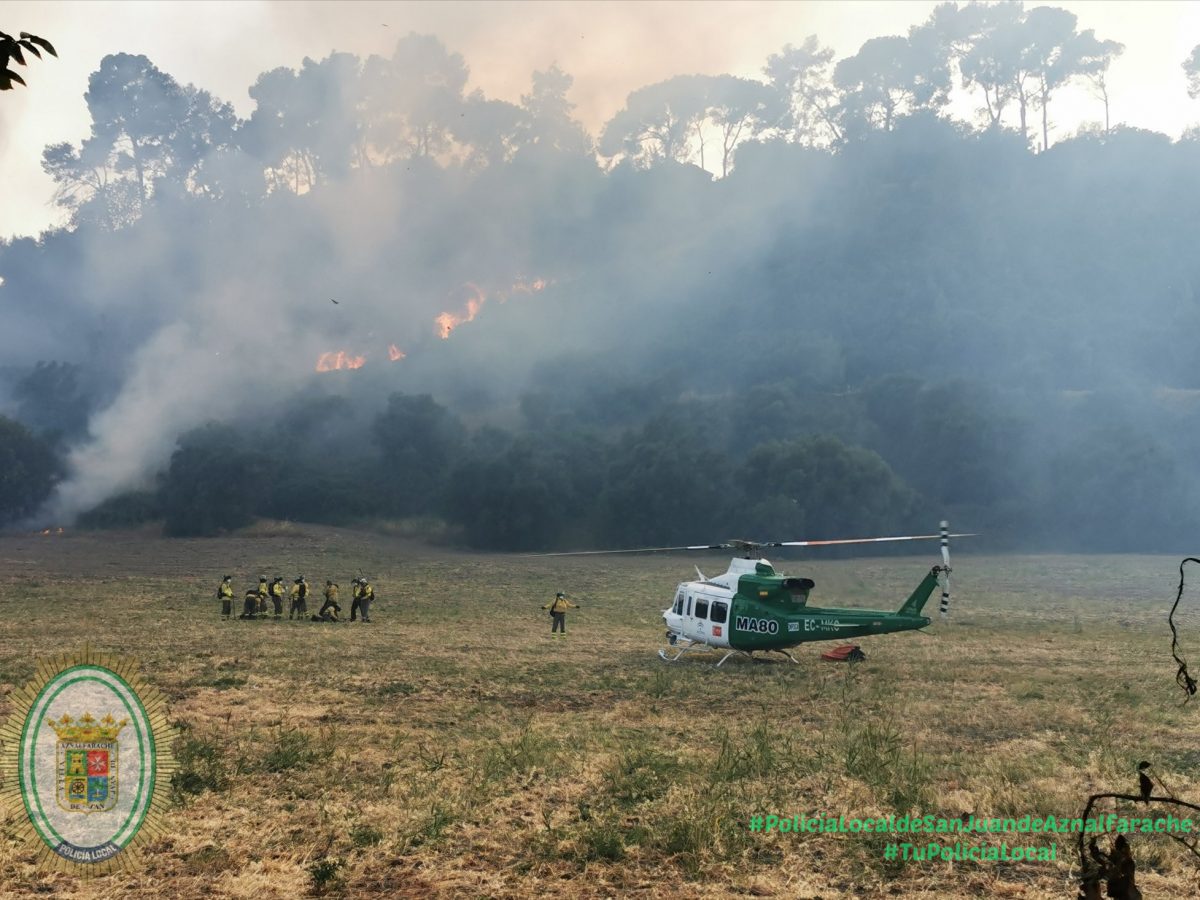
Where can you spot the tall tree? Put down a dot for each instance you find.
(1051, 55)
(801, 76)
(146, 129)
(413, 98)
(548, 120)
(892, 76)
(740, 108)
(135, 108)
(489, 130)
(985, 40)
(1093, 59)
(307, 125)
(659, 122)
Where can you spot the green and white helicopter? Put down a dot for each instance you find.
(751, 608)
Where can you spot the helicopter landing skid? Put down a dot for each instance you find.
(690, 645)
(749, 654)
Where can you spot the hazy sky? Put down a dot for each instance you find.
(610, 48)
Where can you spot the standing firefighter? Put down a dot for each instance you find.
(225, 595)
(299, 592)
(366, 594)
(277, 595)
(330, 610)
(558, 613)
(357, 601)
(264, 594)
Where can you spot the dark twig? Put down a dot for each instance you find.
(1107, 867)
(1182, 678)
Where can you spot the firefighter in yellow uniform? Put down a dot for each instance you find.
(299, 593)
(366, 594)
(264, 594)
(558, 613)
(251, 603)
(277, 595)
(225, 595)
(330, 610)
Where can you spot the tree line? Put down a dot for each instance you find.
(318, 123)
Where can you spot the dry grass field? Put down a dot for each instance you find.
(454, 748)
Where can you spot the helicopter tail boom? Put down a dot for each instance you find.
(917, 599)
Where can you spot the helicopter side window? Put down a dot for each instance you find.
(701, 608)
(719, 612)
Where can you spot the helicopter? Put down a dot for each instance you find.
(753, 609)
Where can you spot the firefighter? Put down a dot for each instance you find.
(251, 603)
(558, 613)
(264, 594)
(366, 594)
(330, 610)
(354, 604)
(299, 594)
(277, 590)
(225, 595)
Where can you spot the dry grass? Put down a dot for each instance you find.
(455, 748)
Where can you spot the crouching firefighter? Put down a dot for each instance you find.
(250, 604)
(330, 610)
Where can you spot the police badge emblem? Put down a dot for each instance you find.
(85, 790)
(88, 757)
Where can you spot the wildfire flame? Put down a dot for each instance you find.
(49, 531)
(327, 362)
(448, 321)
(395, 353)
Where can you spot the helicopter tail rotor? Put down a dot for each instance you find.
(944, 607)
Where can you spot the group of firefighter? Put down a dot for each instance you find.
(259, 601)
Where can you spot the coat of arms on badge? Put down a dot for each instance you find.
(88, 757)
(84, 761)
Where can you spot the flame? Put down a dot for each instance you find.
(448, 321)
(395, 353)
(327, 362)
(46, 531)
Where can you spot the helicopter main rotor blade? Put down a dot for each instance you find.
(635, 550)
(874, 540)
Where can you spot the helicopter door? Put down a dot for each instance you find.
(718, 623)
(699, 621)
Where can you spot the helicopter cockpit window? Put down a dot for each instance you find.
(719, 612)
(678, 604)
(701, 608)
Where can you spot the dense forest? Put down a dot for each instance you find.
(813, 304)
